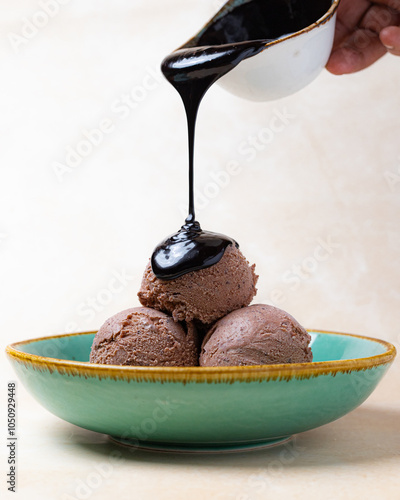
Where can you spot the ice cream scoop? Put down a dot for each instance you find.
(206, 294)
(256, 335)
(144, 337)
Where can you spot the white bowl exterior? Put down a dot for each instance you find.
(283, 68)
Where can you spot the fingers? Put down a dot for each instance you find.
(350, 12)
(391, 4)
(349, 15)
(359, 51)
(365, 31)
(378, 17)
(390, 37)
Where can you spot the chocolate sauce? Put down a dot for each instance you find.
(261, 20)
(192, 71)
(190, 249)
(231, 36)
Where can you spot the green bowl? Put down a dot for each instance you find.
(201, 409)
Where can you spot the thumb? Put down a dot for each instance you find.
(390, 38)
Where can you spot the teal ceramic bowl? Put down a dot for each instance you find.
(201, 409)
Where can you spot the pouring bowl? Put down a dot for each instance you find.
(285, 65)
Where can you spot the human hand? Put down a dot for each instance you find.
(365, 31)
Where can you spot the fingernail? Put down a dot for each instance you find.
(389, 47)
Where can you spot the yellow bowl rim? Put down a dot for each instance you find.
(201, 374)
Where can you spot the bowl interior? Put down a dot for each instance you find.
(325, 347)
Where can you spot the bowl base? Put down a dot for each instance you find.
(198, 448)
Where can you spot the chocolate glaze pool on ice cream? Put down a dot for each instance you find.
(204, 295)
(190, 249)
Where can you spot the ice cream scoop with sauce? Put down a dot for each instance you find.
(205, 295)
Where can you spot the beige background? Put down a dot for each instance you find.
(315, 206)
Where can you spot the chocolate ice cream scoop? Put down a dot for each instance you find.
(205, 294)
(256, 335)
(144, 337)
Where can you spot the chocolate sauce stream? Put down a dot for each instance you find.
(229, 38)
(192, 71)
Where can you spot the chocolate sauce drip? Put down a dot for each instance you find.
(229, 38)
(190, 249)
(192, 71)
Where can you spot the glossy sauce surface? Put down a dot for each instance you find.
(190, 249)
